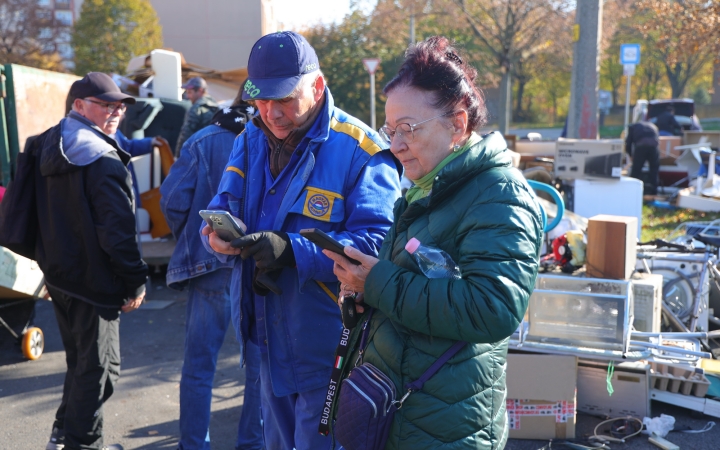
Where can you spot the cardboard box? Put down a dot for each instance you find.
(541, 396)
(693, 137)
(668, 144)
(510, 139)
(630, 382)
(611, 248)
(586, 158)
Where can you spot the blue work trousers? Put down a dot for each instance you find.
(208, 317)
(291, 422)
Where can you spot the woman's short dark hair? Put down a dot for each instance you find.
(434, 65)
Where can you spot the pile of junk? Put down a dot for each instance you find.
(613, 324)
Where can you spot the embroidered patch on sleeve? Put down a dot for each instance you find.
(319, 204)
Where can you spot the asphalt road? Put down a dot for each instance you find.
(143, 412)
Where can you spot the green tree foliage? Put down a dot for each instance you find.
(514, 32)
(533, 37)
(111, 32)
(683, 36)
(341, 49)
(383, 33)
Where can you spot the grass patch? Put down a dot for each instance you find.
(659, 222)
(611, 131)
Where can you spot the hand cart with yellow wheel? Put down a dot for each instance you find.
(16, 316)
(21, 285)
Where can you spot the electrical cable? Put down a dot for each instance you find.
(625, 423)
(708, 426)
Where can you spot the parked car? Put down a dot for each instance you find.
(684, 111)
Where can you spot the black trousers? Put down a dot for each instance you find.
(91, 337)
(652, 156)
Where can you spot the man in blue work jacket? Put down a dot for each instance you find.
(301, 163)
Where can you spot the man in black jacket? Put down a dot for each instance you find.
(641, 143)
(88, 252)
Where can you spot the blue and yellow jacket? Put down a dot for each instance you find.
(345, 185)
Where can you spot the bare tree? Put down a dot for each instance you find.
(512, 31)
(28, 33)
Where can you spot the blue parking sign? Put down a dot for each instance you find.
(630, 54)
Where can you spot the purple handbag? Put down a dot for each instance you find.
(367, 400)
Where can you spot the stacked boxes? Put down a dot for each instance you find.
(588, 158)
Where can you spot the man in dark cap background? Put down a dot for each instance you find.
(87, 249)
(200, 113)
(301, 163)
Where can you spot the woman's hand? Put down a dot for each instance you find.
(218, 244)
(352, 277)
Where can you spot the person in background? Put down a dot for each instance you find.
(88, 252)
(135, 147)
(191, 184)
(200, 113)
(642, 144)
(667, 124)
(301, 163)
(469, 201)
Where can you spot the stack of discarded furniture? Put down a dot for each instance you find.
(609, 319)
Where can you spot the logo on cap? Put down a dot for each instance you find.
(276, 64)
(251, 89)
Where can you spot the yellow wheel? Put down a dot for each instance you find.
(33, 343)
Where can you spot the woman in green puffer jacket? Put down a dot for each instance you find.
(468, 200)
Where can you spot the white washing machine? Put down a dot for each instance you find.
(681, 277)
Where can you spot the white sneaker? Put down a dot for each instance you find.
(57, 440)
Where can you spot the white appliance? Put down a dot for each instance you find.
(621, 197)
(647, 301)
(142, 166)
(681, 277)
(630, 381)
(167, 80)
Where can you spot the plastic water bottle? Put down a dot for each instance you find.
(433, 262)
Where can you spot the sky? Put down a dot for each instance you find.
(294, 14)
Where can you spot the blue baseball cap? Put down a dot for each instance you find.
(276, 64)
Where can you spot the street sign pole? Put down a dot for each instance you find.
(628, 75)
(627, 103)
(371, 65)
(629, 58)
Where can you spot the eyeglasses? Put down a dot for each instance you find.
(110, 107)
(406, 131)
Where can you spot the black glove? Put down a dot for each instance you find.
(264, 282)
(270, 249)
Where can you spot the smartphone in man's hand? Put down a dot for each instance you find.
(223, 223)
